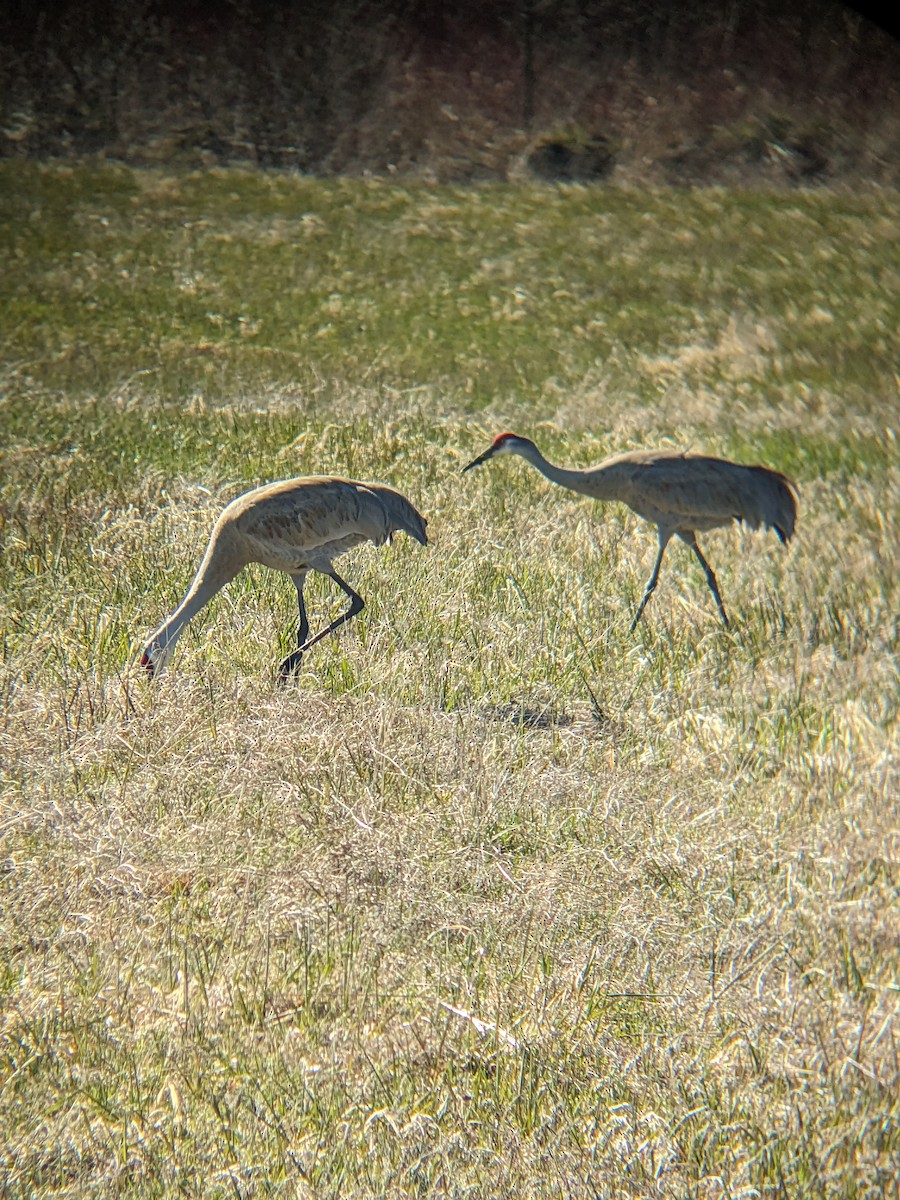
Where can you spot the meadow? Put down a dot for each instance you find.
(496, 899)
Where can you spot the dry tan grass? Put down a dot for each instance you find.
(496, 900)
(385, 933)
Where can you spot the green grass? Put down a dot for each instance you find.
(497, 899)
(226, 284)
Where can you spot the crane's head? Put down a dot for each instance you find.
(503, 443)
(155, 657)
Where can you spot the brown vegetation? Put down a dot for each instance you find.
(650, 92)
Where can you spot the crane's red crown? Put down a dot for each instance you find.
(500, 442)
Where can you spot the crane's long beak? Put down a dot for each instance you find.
(479, 460)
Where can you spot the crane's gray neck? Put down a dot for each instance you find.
(219, 566)
(172, 628)
(578, 481)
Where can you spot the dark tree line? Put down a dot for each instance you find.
(328, 85)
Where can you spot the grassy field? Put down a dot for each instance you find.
(496, 899)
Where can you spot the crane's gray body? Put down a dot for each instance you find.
(680, 493)
(692, 492)
(304, 524)
(295, 526)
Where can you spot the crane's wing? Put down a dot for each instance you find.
(307, 520)
(694, 491)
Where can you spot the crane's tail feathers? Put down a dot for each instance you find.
(776, 503)
(400, 513)
(415, 529)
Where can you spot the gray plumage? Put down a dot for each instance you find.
(295, 526)
(679, 493)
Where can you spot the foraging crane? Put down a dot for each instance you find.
(295, 526)
(679, 493)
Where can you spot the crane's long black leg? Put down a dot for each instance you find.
(292, 663)
(710, 577)
(357, 604)
(654, 578)
(303, 624)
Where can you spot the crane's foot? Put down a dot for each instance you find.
(290, 666)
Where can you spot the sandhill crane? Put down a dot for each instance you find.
(679, 493)
(295, 526)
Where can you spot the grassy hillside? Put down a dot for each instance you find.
(496, 899)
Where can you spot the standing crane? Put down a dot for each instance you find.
(295, 526)
(679, 493)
